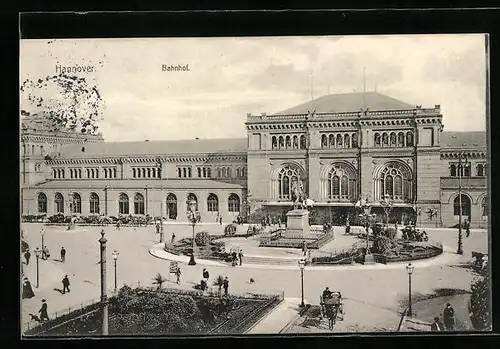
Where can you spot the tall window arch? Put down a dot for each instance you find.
(395, 181)
(94, 203)
(409, 139)
(42, 203)
(59, 203)
(480, 170)
(393, 139)
(354, 140)
(138, 204)
(295, 142)
(347, 141)
(341, 183)
(171, 206)
(324, 141)
(286, 176)
(385, 139)
(224, 173)
(466, 205)
(274, 142)
(123, 204)
(233, 203)
(302, 142)
(484, 207)
(288, 142)
(77, 203)
(281, 141)
(331, 141)
(376, 139)
(339, 140)
(212, 203)
(453, 170)
(191, 197)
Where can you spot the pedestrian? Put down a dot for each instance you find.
(178, 274)
(225, 284)
(449, 317)
(63, 254)
(205, 275)
(467, 228)
(27, 256)
(27, 289)
(157, 228)
(65, 282)
(240, 257)
(220, 220)
(347, 228)
(234, 256)
(436, 326)
(173, 238)
(45, 253)
(43, 311)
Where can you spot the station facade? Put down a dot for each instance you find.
(342, 147)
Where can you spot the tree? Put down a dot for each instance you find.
(159, 280)
(480, 306)
(202, 238)
(219, 281)
(66, 102)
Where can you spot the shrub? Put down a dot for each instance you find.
(230, 230)
(57, 218)
(202, 238)
(480, 307)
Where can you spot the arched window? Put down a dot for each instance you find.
(354, 140)
(341, 183)
(288, 142)
(77, 203)
(393, 139)
(191, 197)
(281, 141)
(209, 172)
(295, 142)
(401, 139)
(189, 172)
(238, 172)
(385, 139)
(123, 204)
(94, 203)
(171, 206)
(453, 170)
(42, 203)
(347, 141)
(80, 173)
(302, 142)
(466, 205)
(480, 170)
(184, 172)
(179, 172)
(466, 170)
(59, 203)
(149, 172)
(204, 172)
(324, 141)
(218, 172)
(212, 203)
(199, 172)
(377, 139)
(484, 207)
(274, 142)
(331, 141)
(339, 140)
(395, 181)
(409, 139)
(134, 175)
(138, 204)
(229, 172)
(143, 172)
(224, 173)
(286, 177)
(233, 203)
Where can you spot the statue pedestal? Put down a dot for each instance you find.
(297, 221)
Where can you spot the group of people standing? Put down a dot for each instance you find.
(205, 279)
(236, 257)
(448, 319)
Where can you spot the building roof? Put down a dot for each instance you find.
(166, 184)
(348, 102)
(463, 140)
(189, 146)
(40, 124)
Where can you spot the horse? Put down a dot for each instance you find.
(331, 311)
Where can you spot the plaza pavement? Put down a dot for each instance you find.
(371, 293)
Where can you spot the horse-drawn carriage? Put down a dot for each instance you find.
(332, 304)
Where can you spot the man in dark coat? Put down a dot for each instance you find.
(467, 228)
(43, 311)
(27, 256)
(240, 257)
(436, 326)
(63, 254)
(225, 284)
(449, 317)
(27, 289)
(65, 282)
(206, 275)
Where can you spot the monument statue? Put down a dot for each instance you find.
(298, 195)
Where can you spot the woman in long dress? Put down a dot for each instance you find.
(27, 289)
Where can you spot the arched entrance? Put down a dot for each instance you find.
(172, 206)
(464, 200)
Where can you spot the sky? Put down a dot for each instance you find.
(230, 77)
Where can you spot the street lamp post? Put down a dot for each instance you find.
(115, 258)
(366, 209)
(409, 269)
(387, 205)
(192, 215)
(38, 252)
(42, 233)
(302, 265)
(460, 169)
(104, 297)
